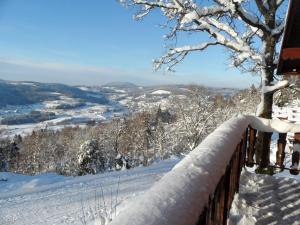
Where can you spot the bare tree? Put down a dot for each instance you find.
(245, 101)
(197, 115)
(248, 29)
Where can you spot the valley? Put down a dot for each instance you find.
(37, 106)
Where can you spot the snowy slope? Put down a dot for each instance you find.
(52, 199)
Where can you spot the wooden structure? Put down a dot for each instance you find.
(296, 155)
(289, 59)
(211, 188)
(217, 210)
(289, 65)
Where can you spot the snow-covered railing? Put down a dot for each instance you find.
(280, 153)
(282, 128)
(199, 188)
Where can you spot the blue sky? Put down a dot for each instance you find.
(94, 42)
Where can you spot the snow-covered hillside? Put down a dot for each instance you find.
(52, 199)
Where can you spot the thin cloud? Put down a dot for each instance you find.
(23, 69)
(74, 74)
(58, 66)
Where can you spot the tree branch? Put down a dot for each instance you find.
(176, 55)
(249, 18)
(279, 85)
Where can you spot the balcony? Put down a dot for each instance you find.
(201, 188)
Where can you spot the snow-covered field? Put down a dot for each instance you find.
(65, 117)
(52, 199)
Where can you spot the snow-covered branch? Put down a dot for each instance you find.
(279, 3)
(279, 85)
(279, 29)
(249, 30)
(249, 18)
(176, 55)
(152, 4)
(217, 21)
(276, 125)
(263, 6)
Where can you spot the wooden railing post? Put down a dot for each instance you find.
(280, 154)
(210, 213)
(295, 163)
(251, 147)
(222, 202)
(203, 217)
(217, 210)
(296, 155)
(226, 190)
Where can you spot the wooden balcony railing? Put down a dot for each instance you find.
(200, 189)
(280, 153)
(217, 210)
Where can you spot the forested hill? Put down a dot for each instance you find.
(22, 93)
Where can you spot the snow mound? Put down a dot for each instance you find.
(161, 92)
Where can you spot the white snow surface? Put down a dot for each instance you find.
(264, 200)
(161, 92)
(274, 125)
(181, 194)
(49, 199)
(277, 86)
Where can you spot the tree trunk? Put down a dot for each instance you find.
(269, 46)
(265, 108)
(264, 139)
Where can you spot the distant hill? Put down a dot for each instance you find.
(22, 93)
(120, 85)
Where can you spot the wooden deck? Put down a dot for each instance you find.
(265, 200)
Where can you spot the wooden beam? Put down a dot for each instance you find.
(290, 53)
(289, 58)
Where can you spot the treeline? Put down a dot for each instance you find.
(120, 143)
(128, 142)
(32, 117)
